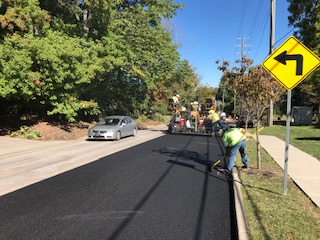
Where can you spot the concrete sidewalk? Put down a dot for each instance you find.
(303, 169)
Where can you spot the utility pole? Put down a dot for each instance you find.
(223, 88)
(243, 52)
(271, 49)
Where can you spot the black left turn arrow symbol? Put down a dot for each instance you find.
(283, 57)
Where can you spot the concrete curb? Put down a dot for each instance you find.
(243, 233)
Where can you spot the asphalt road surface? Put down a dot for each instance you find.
(160, 189)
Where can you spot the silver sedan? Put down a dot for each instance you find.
(113, 127)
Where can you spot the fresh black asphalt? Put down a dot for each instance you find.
(160, 189)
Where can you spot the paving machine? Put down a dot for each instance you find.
(191, 120)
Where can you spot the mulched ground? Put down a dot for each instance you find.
(59, 132)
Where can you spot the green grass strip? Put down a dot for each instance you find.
(271, 214)
(305, 138)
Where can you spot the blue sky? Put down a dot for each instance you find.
(210, 30)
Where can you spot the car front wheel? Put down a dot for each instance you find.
(118, 136)
(134, 132)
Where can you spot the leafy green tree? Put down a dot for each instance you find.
(66, 16)
(184, 81)
(48, 71)
(305, 17)
(24, 16)
(143, 58)
(144, 55)
(204, 92)
(226, 95)
(72, 58)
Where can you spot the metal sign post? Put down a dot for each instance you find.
(286, 153)
(289, 64)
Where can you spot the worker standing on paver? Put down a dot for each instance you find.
(176, 101)
(215, 119)
(234, 140)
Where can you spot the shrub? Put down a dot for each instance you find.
(26, 132)
(162, 108)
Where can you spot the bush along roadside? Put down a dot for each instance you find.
(26, 132)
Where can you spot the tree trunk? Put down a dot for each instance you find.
(258, 146)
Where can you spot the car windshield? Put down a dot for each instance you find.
(111, 121)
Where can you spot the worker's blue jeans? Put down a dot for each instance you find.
(214, 125)
(241, 147)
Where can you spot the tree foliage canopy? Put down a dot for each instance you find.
(253, 86)
(305, 17)
(75, 58)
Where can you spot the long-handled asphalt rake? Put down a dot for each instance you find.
(217, 162)
(252, 135)
(213, 165)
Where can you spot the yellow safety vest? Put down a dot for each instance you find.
(213, 117)
(232, 137)
(175, 99)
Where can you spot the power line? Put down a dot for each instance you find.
(256, 24)
(282, 38)
(259, 23)
(243, 13)
(244, 7)
(256, 18)
(264, 28)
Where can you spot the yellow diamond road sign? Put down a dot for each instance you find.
(291, 63)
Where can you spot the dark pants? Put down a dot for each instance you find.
(214, 125)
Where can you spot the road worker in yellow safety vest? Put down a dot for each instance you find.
(215, 119)
(176, 100)
(195, 106)
(234, 140)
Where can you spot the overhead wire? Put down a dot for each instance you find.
(258, 26)
(306, 16)
(262, 35)
(256, 18)
(259, 23)
(243, 14)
